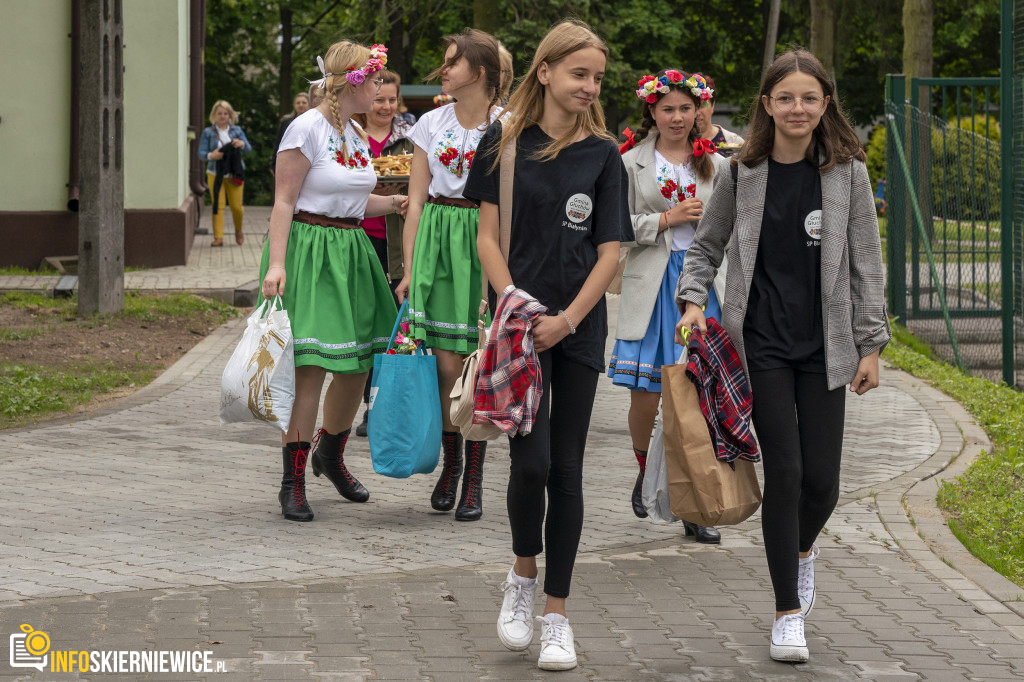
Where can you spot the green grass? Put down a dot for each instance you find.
(20, 334)
(15, 271)
(137, 305)
(985, 506)
(34, 390)
(28, 392)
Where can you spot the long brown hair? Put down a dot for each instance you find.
(481, 51)
(703, 164)
(526, 107)
(833, 139)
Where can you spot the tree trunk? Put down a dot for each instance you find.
(485, 15)
(917, 39)
(823, 32)
(284, 77)
(771, 35)
(917, 63)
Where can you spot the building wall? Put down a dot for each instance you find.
(34, 110)
(155, 103)
(35, 130)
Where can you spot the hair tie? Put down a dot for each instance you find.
(703, 145)
(321, 82)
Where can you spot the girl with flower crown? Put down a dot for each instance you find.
(568, 216)
(805, 308)
(671, 171)
(325, 269)
(443, 277)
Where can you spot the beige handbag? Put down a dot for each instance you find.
(463, 393)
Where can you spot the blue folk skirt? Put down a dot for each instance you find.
(637, 364)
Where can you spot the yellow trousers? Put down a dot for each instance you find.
(233, 193)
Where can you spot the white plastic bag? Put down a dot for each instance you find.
(655, 487)
(258, 383)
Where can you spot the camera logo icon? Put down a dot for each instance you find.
(29, 648)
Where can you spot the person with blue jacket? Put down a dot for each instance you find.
(222, 146)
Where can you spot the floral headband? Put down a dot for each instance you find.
(651, 86)
(377, 61)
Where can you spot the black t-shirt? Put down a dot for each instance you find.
(783, 326)
(562, 210)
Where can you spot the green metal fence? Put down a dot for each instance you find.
(1012, 148)
(949, 250)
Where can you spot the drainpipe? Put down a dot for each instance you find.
(197, 43)
(76, 80)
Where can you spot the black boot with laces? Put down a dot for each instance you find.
(329, 460)
(471, 504)
(293, 483)
(443, 497)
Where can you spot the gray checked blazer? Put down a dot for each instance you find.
(649, 254)
(852, 290)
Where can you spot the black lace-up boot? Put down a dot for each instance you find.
(329, 460)
(471, 503)
(443, 497)
(293, 483)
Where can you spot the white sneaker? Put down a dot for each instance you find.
(788, 643)
(515, 624)
(805, 581)
(557, 650)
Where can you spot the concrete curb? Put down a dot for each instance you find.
(910, 513)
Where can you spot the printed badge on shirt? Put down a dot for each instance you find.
(577, 209)
(812, 226)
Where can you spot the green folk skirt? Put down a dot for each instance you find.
(444, 289)
(338, 301)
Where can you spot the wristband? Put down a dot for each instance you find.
(275, 267)
(572, 327)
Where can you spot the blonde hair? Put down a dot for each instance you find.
(526, 107)
(505, 57)
(222, 104)
(341, 56)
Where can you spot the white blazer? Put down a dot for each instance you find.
(649, 254)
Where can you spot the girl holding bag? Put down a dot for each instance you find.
(798, 221)
(671, 172)
(326, 270)
(444, 278)
(569, 213)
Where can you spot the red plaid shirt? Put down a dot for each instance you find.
(508, 382)
(725, 399)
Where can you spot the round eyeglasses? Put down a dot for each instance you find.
(812, 104)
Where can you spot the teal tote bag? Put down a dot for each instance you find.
(404, 427)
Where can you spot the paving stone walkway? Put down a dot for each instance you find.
(150, 526)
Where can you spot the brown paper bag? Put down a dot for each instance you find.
(701, 488)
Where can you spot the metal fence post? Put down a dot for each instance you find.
(1007, 97)
(895, 211)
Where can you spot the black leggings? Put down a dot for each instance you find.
(799, 425)
(551, 459)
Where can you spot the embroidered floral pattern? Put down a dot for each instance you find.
(670, 187)
(358, 157)
(447, 152)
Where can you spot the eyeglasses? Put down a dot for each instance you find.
(378, 83)
(812, 104)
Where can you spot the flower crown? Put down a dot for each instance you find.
(651, 86)
(356, 75)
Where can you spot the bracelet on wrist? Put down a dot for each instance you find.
(568, 321)
(275, 267)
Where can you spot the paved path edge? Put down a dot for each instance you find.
(908, 508)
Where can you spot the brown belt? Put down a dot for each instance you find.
(325, 221)
(450, 201)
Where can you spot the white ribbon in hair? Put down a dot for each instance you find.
(321, 82)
